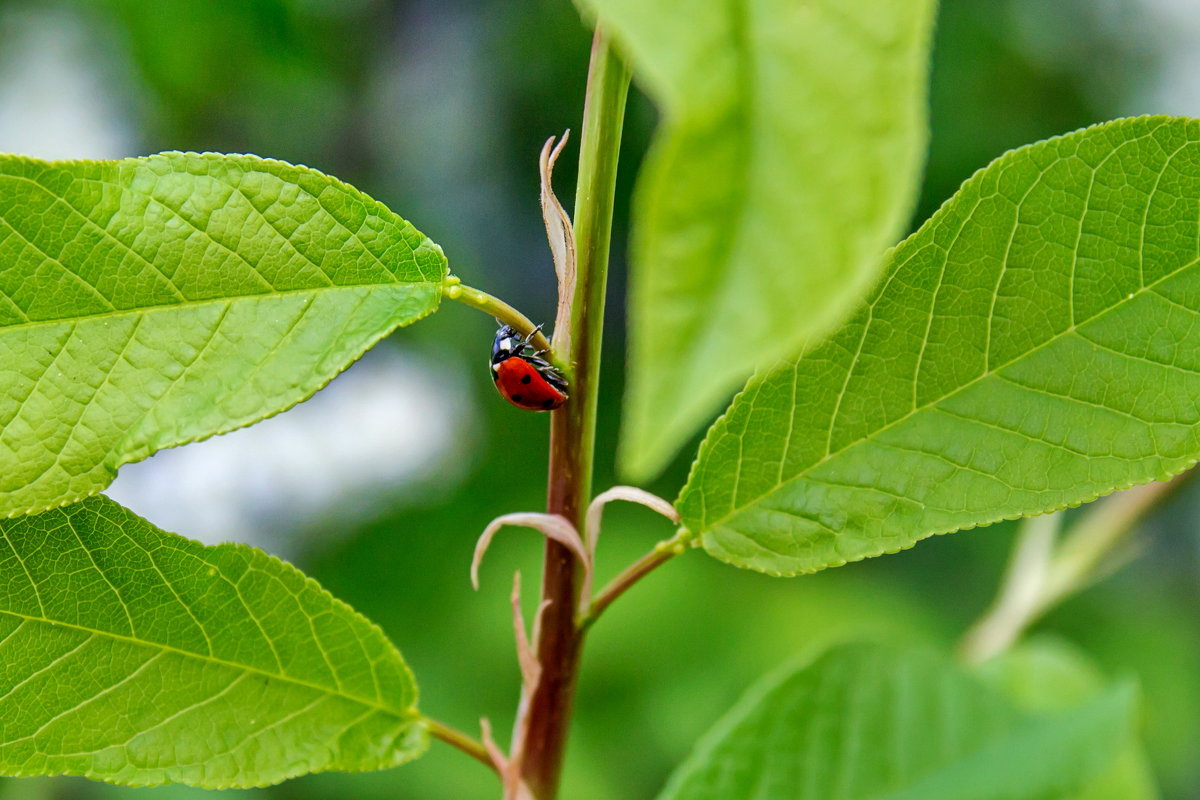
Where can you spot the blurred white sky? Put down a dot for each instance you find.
(393, 426)
(1176, 90)
(57, 93)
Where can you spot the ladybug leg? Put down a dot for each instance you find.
(534, 333)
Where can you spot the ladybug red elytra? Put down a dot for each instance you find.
(526, 380)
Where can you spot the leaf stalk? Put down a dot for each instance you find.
(454, 289)
(662, 553)
(461, 741)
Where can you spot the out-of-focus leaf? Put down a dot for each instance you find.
(1048, 675)
(155, 301)
(791, 142)
(1034, 345)
(139, 657)
(872, 722)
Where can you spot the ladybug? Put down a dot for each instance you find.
(526, 380)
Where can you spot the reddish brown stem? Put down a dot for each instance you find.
(573, 428)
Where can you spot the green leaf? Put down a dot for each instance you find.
(788, 156)
(1049, 675)
(155, 301)
(139, 657)
(875, 723)
(1034, 345)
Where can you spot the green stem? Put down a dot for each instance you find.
(1021, 593)
(454, 289)
(546, 712)
(1102, 531)
(461, 741)
(1040, 576)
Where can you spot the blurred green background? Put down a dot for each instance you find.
(438, 108)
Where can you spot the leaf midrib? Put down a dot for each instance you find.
(410, 713)
(986, 374)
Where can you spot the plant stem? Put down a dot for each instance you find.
(1021, 592)
(1086, 553)
(661, 554)
(456, 290)
(458, 739)
(1040, 577)
(573, 427)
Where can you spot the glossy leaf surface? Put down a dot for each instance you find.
(136, 656)
(1034, 345)
(150, 302)
(868, 722)
(1048, 675)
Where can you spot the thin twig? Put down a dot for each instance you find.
(1021, 593)
(1040, 577)
(661, 554)
(1101, 531)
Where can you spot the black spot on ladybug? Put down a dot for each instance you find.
(517, 398)
(548, 403)
(526, 378)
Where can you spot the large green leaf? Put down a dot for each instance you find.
(139, 657)
(871, 722)
(1034, 345)
(787, 161)
(155, 301)
(1049, 675)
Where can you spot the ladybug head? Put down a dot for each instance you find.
(508, 343)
